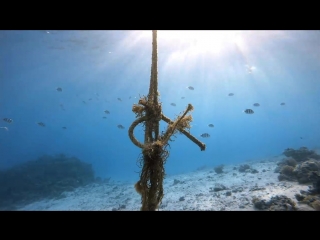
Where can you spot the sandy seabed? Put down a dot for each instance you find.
(195, 191)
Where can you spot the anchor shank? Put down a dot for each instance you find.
(153, 88)
(152, 126)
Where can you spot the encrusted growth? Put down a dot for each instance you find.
(154, 149)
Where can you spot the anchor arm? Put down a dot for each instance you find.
(184, 132)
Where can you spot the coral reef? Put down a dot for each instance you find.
(243, 168)
(287, 173)
(301, 154)
(316, 184)
(301, 165)
(309, 199)
(291, 162)
(276, 203)
(219, 169)
(306, 171)
(46, 177)
(316, 205)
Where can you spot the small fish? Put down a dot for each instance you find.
(205, 135)
(119, 99)
(104, 117)
(41, 124)
(90, 99)
(106, 111)
(64, 127)
(84, 102)
(249, 111)
(182, 97)
(191, 88)
(230, 94)
(256, 104)
(5, 128)
(173, 104)
(282, 104)
(8, 120)
(59, 89)
(211, 125)
(120, 126)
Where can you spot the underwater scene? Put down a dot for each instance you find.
(159, 120)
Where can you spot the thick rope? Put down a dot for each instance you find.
(148, 111)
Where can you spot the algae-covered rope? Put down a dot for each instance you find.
(167, 120)
(188, 135)
(149, 112)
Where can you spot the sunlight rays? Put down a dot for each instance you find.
(199, 41)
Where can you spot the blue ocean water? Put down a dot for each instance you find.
(110, 70)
